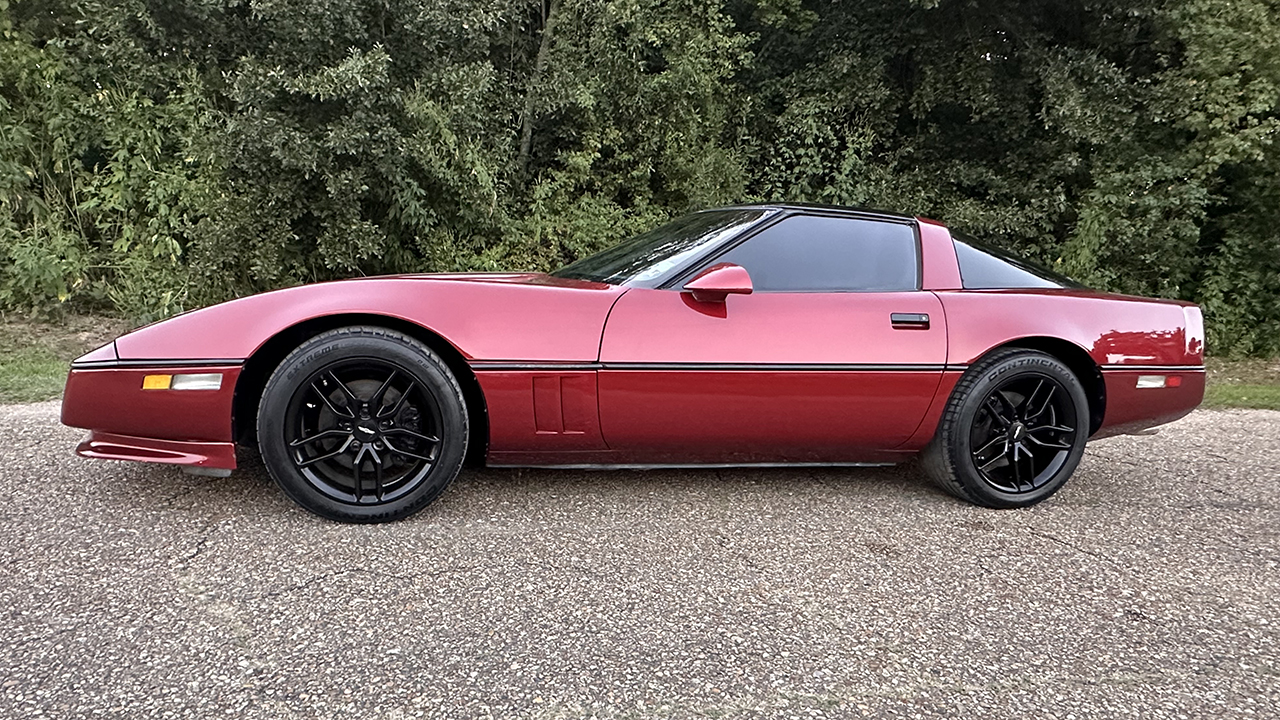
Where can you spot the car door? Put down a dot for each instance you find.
(834, 356)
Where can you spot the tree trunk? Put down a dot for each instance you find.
(539, 67)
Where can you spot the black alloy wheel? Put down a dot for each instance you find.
(363, 425)
(1013, 432)
(360, 440)
(1022, 434)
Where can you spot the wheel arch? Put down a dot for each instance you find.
(267, 357)
(1077, 359)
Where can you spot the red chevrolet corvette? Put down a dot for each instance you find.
(738, 336)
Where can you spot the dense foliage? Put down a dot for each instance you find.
(157, 155)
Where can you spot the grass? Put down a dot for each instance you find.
(34, 357)
(1242, 384)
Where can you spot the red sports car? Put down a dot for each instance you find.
(750, 335)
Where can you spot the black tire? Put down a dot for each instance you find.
(1013, 431)
(363, 425)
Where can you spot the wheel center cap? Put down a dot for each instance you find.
(366, 432)
(1017, 431)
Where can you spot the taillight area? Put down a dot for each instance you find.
(1148, 382)
(1193, 321)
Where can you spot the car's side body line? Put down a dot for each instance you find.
(100, 364)
(1155, 368)
(500, 366)
(714, 367)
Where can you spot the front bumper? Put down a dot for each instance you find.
(109, 446)
(127, 422)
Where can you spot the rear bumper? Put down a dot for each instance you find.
(109, 446)
(128, 422)
(1132, 409)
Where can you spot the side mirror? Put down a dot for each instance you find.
(717, 282)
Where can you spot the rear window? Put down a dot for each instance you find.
(985, 267)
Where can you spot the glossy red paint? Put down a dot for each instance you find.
(773, 328)
(1132, 409)
(104, 354)
(718, 282)
(758, 416)
(690, 456)
(1112, 329)
(112, 400)
(109, 446)
(940, 270)
(929, 424)
(525, 316)
(673, 401)
(576, 372)
(543, 411)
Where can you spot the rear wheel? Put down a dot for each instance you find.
(362, 424)
(1013, 431)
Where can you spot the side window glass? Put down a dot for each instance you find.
(809, 253)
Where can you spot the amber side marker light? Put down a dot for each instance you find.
(1158, 381)
(193, 381)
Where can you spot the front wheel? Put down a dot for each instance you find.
(363, 424)
(1013, 431)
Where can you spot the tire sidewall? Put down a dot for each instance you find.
(350, 344)
(1009, 368)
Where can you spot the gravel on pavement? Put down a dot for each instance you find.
(1149, 587)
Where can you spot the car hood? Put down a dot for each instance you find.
(525, 316)
(508, 278)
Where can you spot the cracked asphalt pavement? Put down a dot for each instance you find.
(1149, 587)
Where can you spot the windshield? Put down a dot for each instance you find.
(648, 257)
(986, 267)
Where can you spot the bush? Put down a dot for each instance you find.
(159, 156)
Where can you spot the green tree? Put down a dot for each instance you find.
(156, 156)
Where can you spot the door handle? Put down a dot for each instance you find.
(908, 321)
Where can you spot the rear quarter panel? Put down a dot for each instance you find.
(1113, 329)
(1125, 336)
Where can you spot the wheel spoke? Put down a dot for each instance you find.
(1029, 399)
(353, 402)
(318, 458)
(1054, 428)
(410, 433)
(1050, 445)
(990, 464)
(324, 395)
(1031, 465)
(405, 453)
(357, 485)
(1010, 411)
(1044, 407)
(375, 401)
(987, 448)
(395, 409)
(319, 436)
(994, 409)
(1013, 462)
(377, 474)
